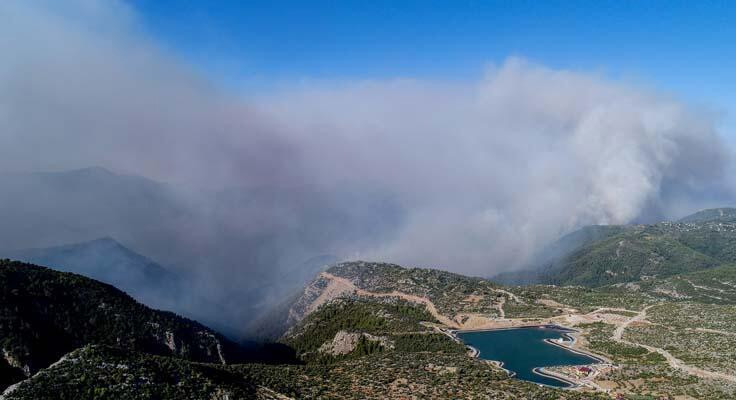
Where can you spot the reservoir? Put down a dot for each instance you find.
(523, 349)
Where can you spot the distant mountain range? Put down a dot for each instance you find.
(54, 208)
(603, 255)
(143, 279)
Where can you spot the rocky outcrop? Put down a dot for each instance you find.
(345, 342)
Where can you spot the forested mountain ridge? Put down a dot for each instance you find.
(703, 240)
(724, 214)
(108, 261)
(45, 314)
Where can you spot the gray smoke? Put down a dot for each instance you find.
(472, 177)
(490, 171)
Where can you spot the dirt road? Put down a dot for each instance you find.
(673, 361)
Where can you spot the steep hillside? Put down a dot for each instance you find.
(355, 347)
(45, 314)
(108, 261)
(451, 299)
(631, 253)
(103, 372)
(641, 253)
(99, 372)
(576, 240)
(711, 215)
(271, 321)
(360, 326)
(559, 249)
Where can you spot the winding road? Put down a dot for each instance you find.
(342, 285)
(673, 361)
(347, 284)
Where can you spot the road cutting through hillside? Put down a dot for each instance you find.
(641, 315)
(342, 285)
(346, 283)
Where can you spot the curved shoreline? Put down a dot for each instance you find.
(475, 353)
(498, 363)
(578, 351)
(564, 332)
(508, 328)
(541, 372)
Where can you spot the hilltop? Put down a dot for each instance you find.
(108, 261)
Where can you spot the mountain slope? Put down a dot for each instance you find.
(113, 373)
(725, 214)
(46, 314)
(710, 286)
(98, 372)
(559, 249)
(451, 299)
(377, 348)
(626, 323)
(376, 331)
(630, 256)
(108, 261)
(630, 253)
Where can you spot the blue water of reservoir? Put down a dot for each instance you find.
(523, 349)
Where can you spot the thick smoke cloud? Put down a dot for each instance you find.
(491, 171)
(472, 177)
(81, 83)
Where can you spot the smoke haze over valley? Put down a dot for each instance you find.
(104, 132)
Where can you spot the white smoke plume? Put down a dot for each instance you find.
(492, 170)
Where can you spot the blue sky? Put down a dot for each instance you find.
(687, 48)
